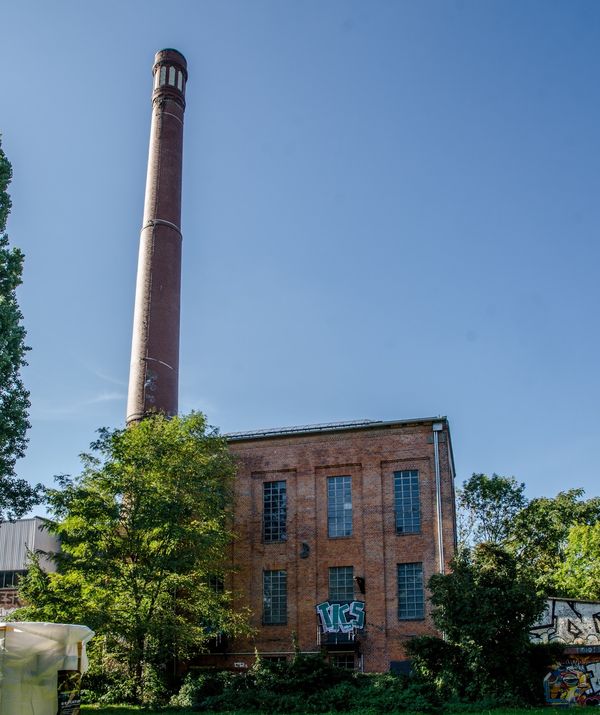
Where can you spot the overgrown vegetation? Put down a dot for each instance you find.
(307, 683)
(129, 709)
(485, 609)
(144, 531)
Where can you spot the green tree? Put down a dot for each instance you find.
(578, 574)
(144, 529)
(539, 535)
(16, 495)
(487, 507)
(485, 610)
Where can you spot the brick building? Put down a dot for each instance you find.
(338, 528)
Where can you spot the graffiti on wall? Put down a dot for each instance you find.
(574, 681)
(341, 617)
(569, 622)
(9, 601)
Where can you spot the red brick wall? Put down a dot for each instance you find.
(370, 456)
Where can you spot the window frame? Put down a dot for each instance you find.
(339, 515)
(12, 575)
(411, 591)
(334, 657)
(275, 616)
(274, 512)
(335, 590)
(407, 502)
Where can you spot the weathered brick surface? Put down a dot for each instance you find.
(370, 456)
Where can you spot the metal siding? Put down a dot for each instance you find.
(45, 541)
(17, 537)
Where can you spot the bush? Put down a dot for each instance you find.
(196, 688)
(306, 684)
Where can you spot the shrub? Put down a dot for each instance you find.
(307, 684)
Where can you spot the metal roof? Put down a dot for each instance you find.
(324, 427)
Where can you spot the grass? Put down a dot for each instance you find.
(131, 709)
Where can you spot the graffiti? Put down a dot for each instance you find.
(9, 601)
(576, 681)
(569, 622)
(341, 617)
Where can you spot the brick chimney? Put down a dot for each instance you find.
(154, 372)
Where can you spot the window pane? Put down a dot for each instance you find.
(274, 597)
(341, 583)
(339, 506)
(216, 584)
(274, 511)
(10, 579)
(172, 76)
(343, 660)
(163, 75)
(411, 598)
(406, 496)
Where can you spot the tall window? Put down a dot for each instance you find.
(274, 597)
(406, 496)
(339, 506)
(341, 583)
(274, 511)
(411, 598)
(216, 584)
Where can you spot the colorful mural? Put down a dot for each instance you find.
(341, 617)
(576, 679)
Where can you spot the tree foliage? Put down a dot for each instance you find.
(578, 574)
(485, 610)
(488, 506)
(539, 536)
(144, 529)
(16, 495)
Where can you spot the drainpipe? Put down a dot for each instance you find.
(437, 428)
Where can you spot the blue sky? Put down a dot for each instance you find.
(390, 210)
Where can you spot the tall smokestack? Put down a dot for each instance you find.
(154, 372)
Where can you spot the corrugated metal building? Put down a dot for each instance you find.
(17, 538)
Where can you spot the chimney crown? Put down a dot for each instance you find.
(170, 74)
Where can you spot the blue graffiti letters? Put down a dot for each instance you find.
(325, 616)
(341, 617)
(357, 611)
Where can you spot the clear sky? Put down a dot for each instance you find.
(390, 210)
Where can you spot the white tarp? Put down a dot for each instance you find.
(31, 656)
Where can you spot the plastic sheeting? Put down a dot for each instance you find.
(31, 656)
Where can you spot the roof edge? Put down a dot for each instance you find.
(330, 427)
